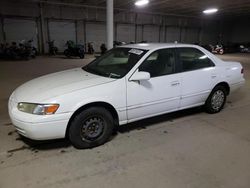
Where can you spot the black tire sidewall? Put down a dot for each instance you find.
(208, 104)
(76, 126)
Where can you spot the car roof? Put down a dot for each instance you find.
(152, 46)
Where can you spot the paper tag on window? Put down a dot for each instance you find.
(136, 51)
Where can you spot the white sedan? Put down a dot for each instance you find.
(126, 84)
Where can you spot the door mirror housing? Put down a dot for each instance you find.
(140, 76)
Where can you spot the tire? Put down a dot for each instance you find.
(91, 127)
(221, 52)
(216, 100)
(81, 55)
(67, 53)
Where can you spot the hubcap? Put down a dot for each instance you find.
(92, 128)
(217, 100)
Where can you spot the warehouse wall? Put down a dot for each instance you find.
(82, 25)
(240, 30)
(1, 31)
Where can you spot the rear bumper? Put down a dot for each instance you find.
(236, 86)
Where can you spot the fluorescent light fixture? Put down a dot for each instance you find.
(210, 11)
(141, 2)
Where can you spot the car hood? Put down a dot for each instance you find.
(49, 86)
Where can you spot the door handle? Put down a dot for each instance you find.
(175, 83)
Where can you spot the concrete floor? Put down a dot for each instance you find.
(187, 149)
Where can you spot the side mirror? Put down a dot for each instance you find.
(140, 76)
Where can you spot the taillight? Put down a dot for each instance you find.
(242, 70)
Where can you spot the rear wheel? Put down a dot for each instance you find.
(90, 128)
(216, 100)
(221, 52)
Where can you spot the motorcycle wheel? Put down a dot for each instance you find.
(81, 56)
(66, 53)
(221, 52)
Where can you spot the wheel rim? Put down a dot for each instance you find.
(92, 128)
(217, 100)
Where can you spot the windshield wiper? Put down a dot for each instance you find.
(113, 75)
(95, 71)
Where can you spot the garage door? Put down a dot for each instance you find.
(139, 33)
(125, 32)
(1, 33)
(17, 30)
(190, 35)
(151, 33)
(61, 32)
(172, 34)
(96, 33)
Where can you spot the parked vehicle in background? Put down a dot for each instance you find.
(217, 49)
(52, 48)
(91, 48)
(74, 50)
(118, 43)
(22, 51)
(244, 49)
(126, 84)
(103, 48)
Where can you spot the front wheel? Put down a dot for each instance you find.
(90, 128)
(216, 100)
(81, 55)
(67, 53)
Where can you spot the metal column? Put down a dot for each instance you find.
(110, 23)
(43, 41)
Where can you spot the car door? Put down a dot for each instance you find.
(159, 94)
(198, 75)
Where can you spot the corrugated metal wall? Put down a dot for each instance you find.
(96, 33)
(61, 32)
(1, 32)
(151, 33)
(125, 32)
(17, 30)
(173, 34)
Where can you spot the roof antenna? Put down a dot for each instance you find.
(176, 42)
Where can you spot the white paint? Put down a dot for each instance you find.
(133, 100)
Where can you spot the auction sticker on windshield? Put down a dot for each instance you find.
(135, 51)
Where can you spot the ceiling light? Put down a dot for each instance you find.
(141, 2)
(210, 11)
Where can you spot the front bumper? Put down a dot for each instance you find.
(38, 127)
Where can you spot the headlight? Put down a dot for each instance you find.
(38, 109)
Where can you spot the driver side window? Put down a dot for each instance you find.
(159, 63)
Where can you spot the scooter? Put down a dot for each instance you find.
(244, 49)
(74, 50)
(103, 48)
(91, 48)
(52, 48)
(217, 49)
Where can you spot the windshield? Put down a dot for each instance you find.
(116, 63)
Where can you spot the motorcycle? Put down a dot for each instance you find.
(244, 49)
(217, 49)
(103, 48)
(23, 50)
(74, 50)
(91, 48)
(52, 48)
